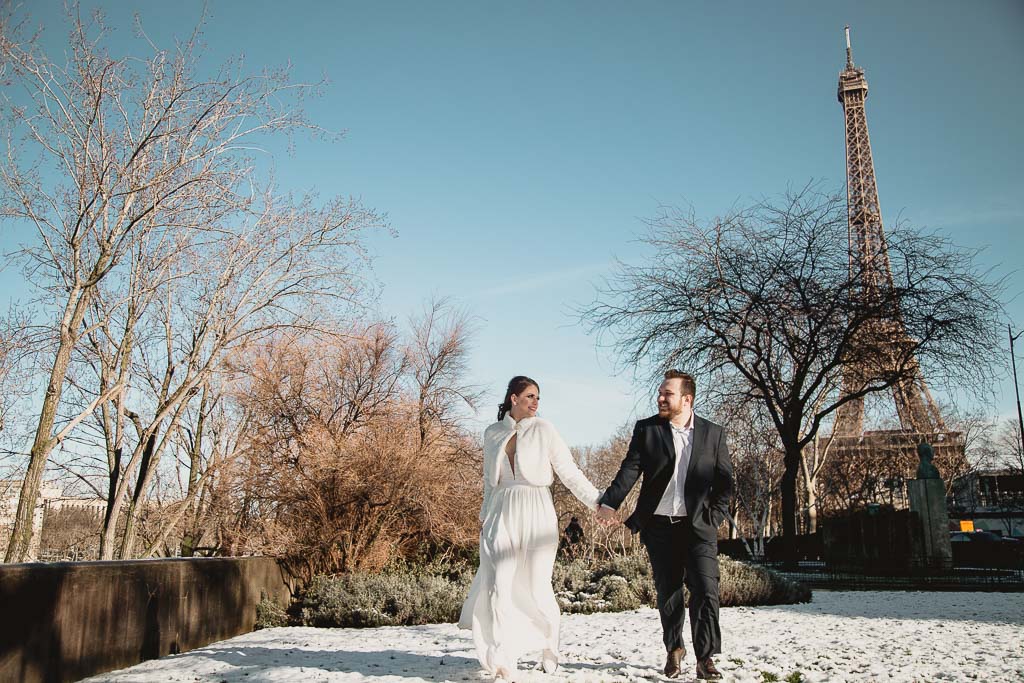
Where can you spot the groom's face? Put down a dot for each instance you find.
(671, 400)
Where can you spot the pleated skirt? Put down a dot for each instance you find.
(511, 608)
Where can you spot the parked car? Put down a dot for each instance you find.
(979, 537)
(986, 549)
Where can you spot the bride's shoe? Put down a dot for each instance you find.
(502, 673)
(549, 662)
(499, 665)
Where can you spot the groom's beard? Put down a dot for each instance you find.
(667, 413)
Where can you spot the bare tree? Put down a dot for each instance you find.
(112, 155)
(757, 467)
(769, 294)
(14, 348)
(115, 333)
(1010, 445)
(211, 438)
(289, 268)
(1008, 448)
(994, 486)
(599, 463)
(438, 355)
(812, 461)
(364, 378)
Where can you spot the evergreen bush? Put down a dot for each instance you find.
(270, 615)
(406, 595)
(397, 597)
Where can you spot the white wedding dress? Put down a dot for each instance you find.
(511, 607)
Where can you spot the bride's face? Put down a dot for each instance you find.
(525, 404)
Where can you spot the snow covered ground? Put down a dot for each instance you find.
(841, 636)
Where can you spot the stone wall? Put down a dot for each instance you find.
(68, 620)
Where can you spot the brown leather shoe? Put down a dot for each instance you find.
(672, 662)
(706, 670)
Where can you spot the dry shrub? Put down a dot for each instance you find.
(358, 502)
(351, 458)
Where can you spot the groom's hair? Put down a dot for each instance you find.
(689, 386)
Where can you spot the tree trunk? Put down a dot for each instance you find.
(42, 445)
(733, 511)
(114, 502)
(113, 434)
(190, 537)
(812, 507)
(113, 509)
(109, 530)
(149, 462)
(422, 418)
(811, 487)
(789, 503)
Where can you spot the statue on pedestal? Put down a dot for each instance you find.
(925, 469)
(927, 497)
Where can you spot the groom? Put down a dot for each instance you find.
(687, 481)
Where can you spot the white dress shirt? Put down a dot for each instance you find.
(672, 501)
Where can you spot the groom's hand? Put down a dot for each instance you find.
(606, 516)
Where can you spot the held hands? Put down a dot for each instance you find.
(605, 516)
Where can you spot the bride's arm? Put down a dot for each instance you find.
(568, 471)
(488, 488)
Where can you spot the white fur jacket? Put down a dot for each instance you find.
(539, 450)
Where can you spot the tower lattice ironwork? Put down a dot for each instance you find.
(918, 413)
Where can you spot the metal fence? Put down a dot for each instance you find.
(975, 566)
(820, 574)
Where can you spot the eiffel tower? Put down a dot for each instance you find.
(919, 416)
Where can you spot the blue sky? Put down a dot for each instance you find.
(516, 147)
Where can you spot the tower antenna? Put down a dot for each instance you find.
(849, 50)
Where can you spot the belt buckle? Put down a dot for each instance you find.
(673, 519)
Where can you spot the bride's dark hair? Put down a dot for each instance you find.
(516, 386)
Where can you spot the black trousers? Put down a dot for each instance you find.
(678, 556)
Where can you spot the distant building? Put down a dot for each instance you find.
(96, 506)
(10, 492)
(992, 499)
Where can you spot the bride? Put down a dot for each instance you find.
(511, 607)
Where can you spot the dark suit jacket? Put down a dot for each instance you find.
(651, 454)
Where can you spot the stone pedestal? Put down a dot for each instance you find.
(928, 500)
